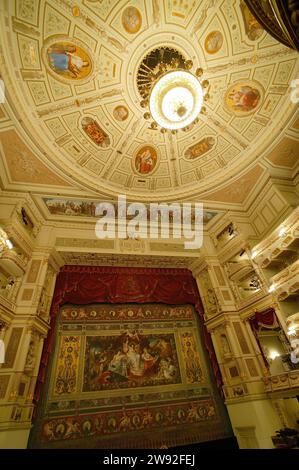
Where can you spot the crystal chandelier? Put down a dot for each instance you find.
(171, 92)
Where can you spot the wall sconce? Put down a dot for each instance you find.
(291, 331)
(9, 244)
(282, 231)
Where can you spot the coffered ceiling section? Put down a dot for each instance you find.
(70, 68)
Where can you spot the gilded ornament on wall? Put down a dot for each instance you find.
(131, 20)
(67, 365)
(200, 148)
(191, 358)
(242, 98)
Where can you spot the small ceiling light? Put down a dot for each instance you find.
(253, 254)
(271, 288)
(9, 244)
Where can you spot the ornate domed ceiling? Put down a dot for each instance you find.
(70, 69)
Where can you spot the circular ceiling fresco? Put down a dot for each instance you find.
(71, 70)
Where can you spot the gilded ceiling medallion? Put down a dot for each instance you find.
(243, 98)
(120, 113)
(145, 160)
(68, 60)
(131, 20)
(213, 42)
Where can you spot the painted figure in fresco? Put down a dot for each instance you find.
(253, 28)
(131, 20)
(167, 369)
(120, 113)
(135, 362)
(66, 373)
(93, 130)
(244, 98)
(113, 362)
(118, 364)
(192, 364)
(65, 59)
(199, 149)
(148, 359)
(145, 161)
(213, 42)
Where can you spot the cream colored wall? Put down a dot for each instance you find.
(14, 438)
(260, 415)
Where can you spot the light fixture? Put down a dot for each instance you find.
(274, 354)
(271, 288)
(282, 231)
(292, 331)
(172, 95)
(4, 241)
(253, 254)
(9, 244)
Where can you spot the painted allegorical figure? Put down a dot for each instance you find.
(213, 42)
(253, 29)
(95, 133)
(121, 361)
(131, 20)
(243, 97)
(146, 160)
(200, 148)
(68, 60)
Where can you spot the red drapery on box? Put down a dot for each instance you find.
(88, 284)
(266, 319)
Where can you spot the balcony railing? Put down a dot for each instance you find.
(287, 380)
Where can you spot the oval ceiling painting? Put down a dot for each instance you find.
(69, 60)
(243, 98)
(120, 113)
(213, 42)
(131, 20)
(94, 132)
(145, 160)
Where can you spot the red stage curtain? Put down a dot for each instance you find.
(88, 284)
